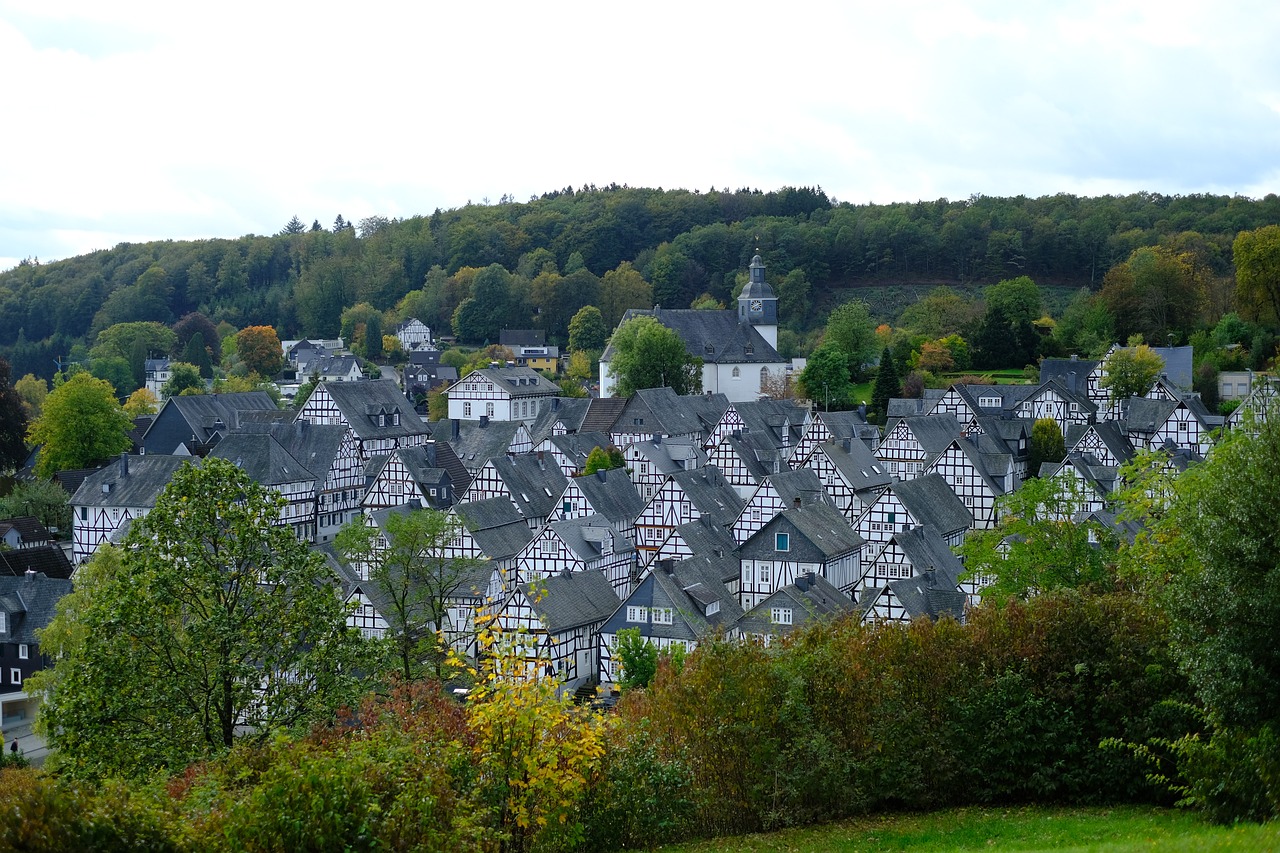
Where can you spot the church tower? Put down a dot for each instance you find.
(757, 305)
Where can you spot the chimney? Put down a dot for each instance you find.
(555, 404)
(456, 428)
(862, 410)
(431, 452)
(1075, 357)
(484, 421)
(602, 475)
(796, 502)
(124, 465)
(847, 443)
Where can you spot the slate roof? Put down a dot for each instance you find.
(29, 602)
(758, 453)
(522, 337)
(504, 542)
(1146, 415)
(687, 587)
(1071, 372)
(488, 513)
(571, 599)
(476, 443)
(1078, 395)
(535, 484)
(361, 402)
(811, 598)
(1178, 363)
(129, 481)
(612, 495)
(934, 432)
(209, 415)
(801, 484)
(819, 533)
(929, 594)
(710, 493)
(774, 417)
(708, 538)
(585, 537)
(602, 414)
(931, 501)
(660, 411)
(49, 560)
(578, 446)
(902, 407)
(28, 528)
(855, 462)
(925, 549)
(717, 337)
(670, 455)
(517, 381)
(988, 465)
(1111, 433)
(264, 460)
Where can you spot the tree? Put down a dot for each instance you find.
(646, 354)
(117, 371)
(1017, 298)
(259, 349)
(140, 403)
(587, 331)
(623, 288)
(213, 621)
(83, 424)
(13, 423)
(188, 327)
(941, 312)
(1257, 259)
(293, 226)
(408, 562)
(1047, 445)
(123, 339)
(638, 658)
(1036, 546)
(602, 459)
(851, 330)
(197, 353)
(1130, 371)
(32, 391)
(825, 378)
(887, 385)
(44, 499)
(184, 378)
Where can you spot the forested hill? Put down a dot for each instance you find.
(557, 249)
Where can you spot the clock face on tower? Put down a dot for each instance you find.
(757, 305)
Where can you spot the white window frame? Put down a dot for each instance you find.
(23, 651)
(780, 615)
(637, 615)
(15, 676)
(466, 409)
(662, 615)
(782, 542)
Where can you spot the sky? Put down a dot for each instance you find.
(134, 121)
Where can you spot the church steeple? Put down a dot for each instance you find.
(757, 305)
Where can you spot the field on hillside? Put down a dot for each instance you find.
(1005, 829)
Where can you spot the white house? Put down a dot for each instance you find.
(500, 394)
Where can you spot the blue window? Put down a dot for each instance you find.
(782, 541)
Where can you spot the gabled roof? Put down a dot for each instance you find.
(477, 442)
(757, 452)
(708, 538)
(427, 461)
(27, 527)
(569, 411)
(688, 588)
(314, 445)
(1071, 372)
(586, 536)
(717, 337)
(488, 513)
(1110, 432)
(612, 494)
(578, 446)
(1178, 364)
(810, 598)
(264, 460)
(988, 465)
(29, 601)
(515, 381)
(934, 432)
(931, 501)
(669, 455)
(602, 414)
(207, 416)
(819, 533)
(1078, 395)
(855, 462)
(571, 599)
(926, 550)
(800, 485)
(660, 411)
(535, 484)
(772, 418)
(361, 402)
(710, 493)
(49, 560)
(928, 594)
(1143, 414)
(129, 481)
(902, 407)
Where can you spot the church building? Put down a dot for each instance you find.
(738, 349)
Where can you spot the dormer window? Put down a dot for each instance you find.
(382, 419)
(395, 418)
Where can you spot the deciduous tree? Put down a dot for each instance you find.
(851, 330)
(13, 423)
(1130, 371)
(184, 379)
(32, 390)
(825, 378)
(82, 424)
(1257, 259)
(140, 403)
(212, 622)
(1047, 445)
(259, 349)
(646, 354)
(587, 331)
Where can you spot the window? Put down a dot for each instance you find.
(15, 676)
(466, 410)
(765, 569)
(663, 615)
(382, 419)
(637, 614)
(782, 541)
(551, 547)
(22, 651)
(84, 513)
(755, 513)
(713, 608)
(567, 508)
(1182, 426)
(395, 418)
(488, 409)
(780, 615)
(4, 625)
(737, 374)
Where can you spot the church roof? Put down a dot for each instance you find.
(717, 337)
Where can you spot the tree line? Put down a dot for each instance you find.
(574, 247)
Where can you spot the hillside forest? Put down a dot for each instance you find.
(1106, 268)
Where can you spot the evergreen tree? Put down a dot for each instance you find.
(887, 385)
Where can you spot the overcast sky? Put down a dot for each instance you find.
(133, 121)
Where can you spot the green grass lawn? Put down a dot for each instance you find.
(1008, 829)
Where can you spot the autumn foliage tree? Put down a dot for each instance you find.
(259, 350)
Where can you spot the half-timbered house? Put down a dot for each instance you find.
(555, 621)
(806, 599)
(491, 530)
(776, 493)
(908, 503)
(500, 394)
(928, 595)
(532, 483)
(413, 334)
(608, 493)
(976, 475)
(812, 538)
(115, 495)
(378, 415)
(582, 545)
(850, 475)
(267, 463)
(570, 452)
(1083, 485)
(746, 459)
(24, 531)
(422, 474)
(686, 496)
(652, 461)
(678, 604)
(1260, 404)
(1184, 424)
(916, 551)
(701, 538)
(910, 442)
(664, 413)
(1055, 401)
(834, 426)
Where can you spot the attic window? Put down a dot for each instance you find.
(713, 607)
(876, 468)
(662, 615)
(782, 541)
(4, 622)
(638, 615)
(780, 615)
